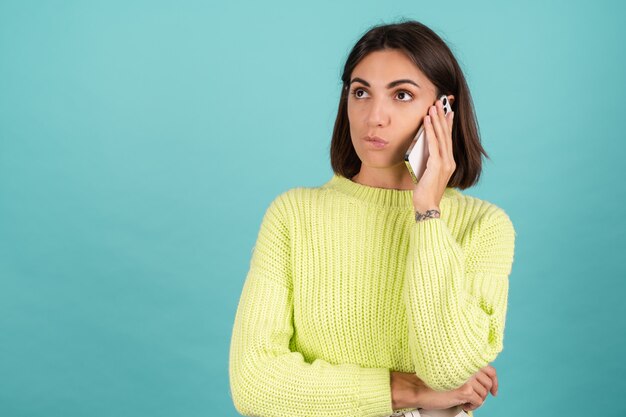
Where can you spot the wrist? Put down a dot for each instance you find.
(426, 212)
(418, 393)
(406, 390)
(423, 205)
(402, 390)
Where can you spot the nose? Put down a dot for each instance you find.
(378, 114)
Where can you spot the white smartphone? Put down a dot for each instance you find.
(417, 154)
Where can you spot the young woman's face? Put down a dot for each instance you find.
(378, 106)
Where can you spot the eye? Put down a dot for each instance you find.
(406, 93)
(356, 92)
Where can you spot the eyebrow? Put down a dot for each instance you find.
(390, 85)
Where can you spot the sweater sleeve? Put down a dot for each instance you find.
(266, 377)
(456, 300)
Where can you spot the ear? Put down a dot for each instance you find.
(451, 99)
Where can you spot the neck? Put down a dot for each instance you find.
(396, 177)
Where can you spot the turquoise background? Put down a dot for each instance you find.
(142, 141)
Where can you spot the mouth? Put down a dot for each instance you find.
(376, 141)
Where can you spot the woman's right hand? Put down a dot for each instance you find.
(470, 395)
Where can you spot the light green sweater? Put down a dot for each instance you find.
(345, 286)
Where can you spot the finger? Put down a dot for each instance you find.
(433, 146)
(494, 389)
(478, 387)
(473, 403)
(444, 135)
(443, 122)
(476, 401)
(436, 122)
(467, 407)
(447, 129)
(443, 118)
(449, 121)
(485, 381)
(491, 372)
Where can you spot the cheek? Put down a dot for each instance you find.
(355, 121)
(352, 111)
(417, 117)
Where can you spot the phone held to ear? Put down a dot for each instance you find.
(417, 154)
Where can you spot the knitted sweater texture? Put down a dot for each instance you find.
(344, 286)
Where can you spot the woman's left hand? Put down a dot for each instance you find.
(429, 190)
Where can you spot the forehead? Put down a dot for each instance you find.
(384, 66)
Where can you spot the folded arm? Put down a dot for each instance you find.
(456, 300)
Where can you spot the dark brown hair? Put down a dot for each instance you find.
(433, 57)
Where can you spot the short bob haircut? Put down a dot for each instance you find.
(433, 57)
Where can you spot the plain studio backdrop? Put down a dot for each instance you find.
(142, 141)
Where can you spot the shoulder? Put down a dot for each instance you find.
(293, 201)
(488, 233)
(477, 213)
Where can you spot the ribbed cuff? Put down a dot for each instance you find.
(375, 392)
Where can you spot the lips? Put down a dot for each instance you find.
(376, 142)
(376, 139)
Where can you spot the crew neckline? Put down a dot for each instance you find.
(385, 197)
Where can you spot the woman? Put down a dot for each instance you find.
(371, 294)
